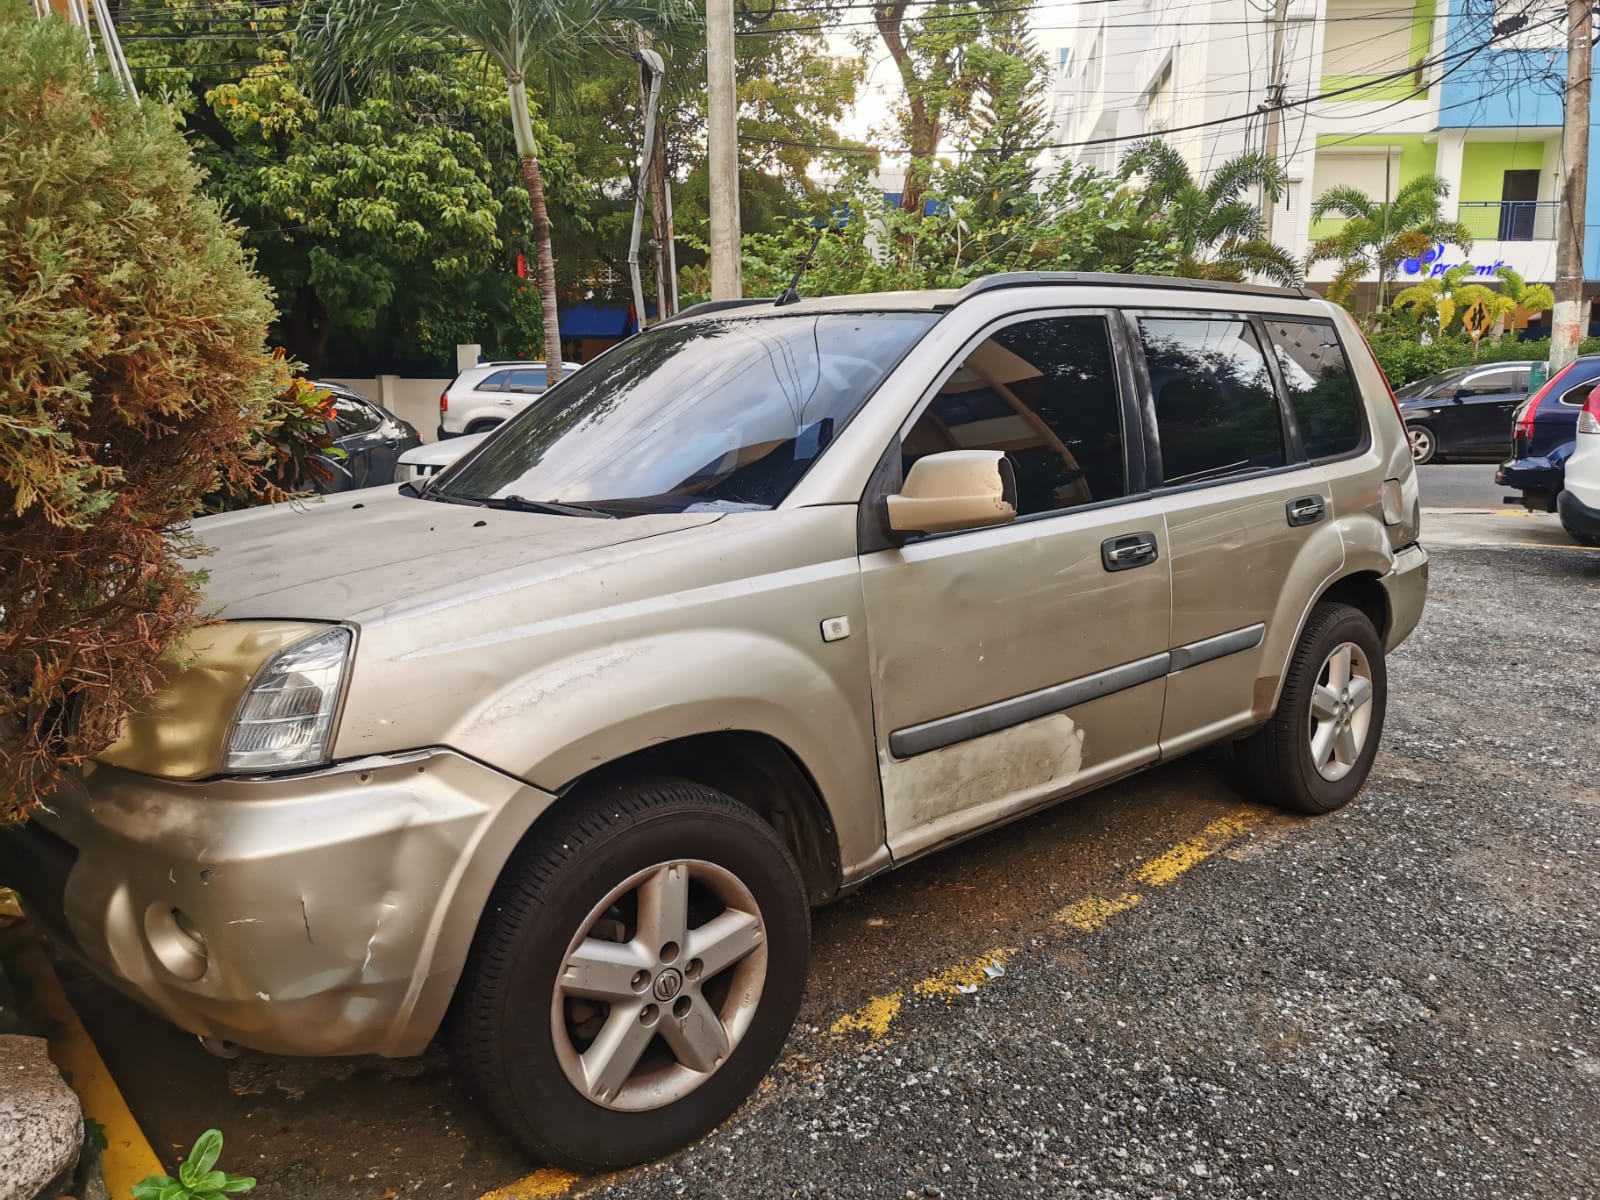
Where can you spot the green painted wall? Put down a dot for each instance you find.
(1375, 87)
(1484, 164)
(1417, 157)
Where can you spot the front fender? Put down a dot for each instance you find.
(579, 713)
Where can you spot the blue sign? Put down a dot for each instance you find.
(1431, 263)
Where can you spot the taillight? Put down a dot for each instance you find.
(444, 402)
(1589, 418)
(1531, 409)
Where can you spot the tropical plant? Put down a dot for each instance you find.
(527, 40)
(1377, 235)
(1217, 232)
(198, 1177)
(131, 333)
(1438, 302)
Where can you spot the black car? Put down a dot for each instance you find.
(1464, 412)
(370, 439)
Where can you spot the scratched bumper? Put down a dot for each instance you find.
(1406, 585)
(334, 910)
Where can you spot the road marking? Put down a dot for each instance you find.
(1164, 868)
(965, 978)
(128, 1158)
(1091, 912)
(1556, 546)
(873, 1018)
(543, 1183)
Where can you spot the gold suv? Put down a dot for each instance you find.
(553, 753)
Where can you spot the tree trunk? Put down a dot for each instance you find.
(922, 131)
(544, 256)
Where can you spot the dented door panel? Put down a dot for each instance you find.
(978, 619)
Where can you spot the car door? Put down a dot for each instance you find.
(1483, 406)
(358, 434)
(1013, 664)
(1240, 506)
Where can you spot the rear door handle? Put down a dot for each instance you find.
(1306, 510)
(1129, 550)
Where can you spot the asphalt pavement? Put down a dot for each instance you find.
(1186, 995)
(1461, 486)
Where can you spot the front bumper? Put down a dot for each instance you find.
(1406, 586)
(334, 910)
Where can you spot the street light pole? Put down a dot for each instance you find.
(1567, 321)
(722, 145)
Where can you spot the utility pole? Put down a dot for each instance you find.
(1280, 18)
(1567, 321)
(722, 145)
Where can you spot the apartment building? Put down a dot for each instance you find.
(1377, 92)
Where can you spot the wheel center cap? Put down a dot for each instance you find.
(668, 984)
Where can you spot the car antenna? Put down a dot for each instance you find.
(791, 294)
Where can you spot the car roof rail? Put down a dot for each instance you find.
(1014, 279)
(711, 306)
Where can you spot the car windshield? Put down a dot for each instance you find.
(1422, 386)
(716, 414)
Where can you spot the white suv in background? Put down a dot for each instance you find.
(1579, 501)
(483, 396)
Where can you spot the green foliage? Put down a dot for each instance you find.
(1405, 360)
(1377, 236)
(198, 1177)
(1217, 230)
(131, 332)
(292, 438)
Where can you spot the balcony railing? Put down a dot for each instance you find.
(1510, 220)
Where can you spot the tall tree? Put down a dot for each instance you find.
(539, 40)
(1377, 235)
(1218, 233)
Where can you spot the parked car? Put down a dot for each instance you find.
(369, 440)
(1464, 412)
(765, 601)
(421, 462)
(489, 394)
(1579, 501)
(1543, 429)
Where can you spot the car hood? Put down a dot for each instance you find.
(362, 556)
(441, 453)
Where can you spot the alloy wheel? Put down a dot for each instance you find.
(1341, 711)
(1422, 445)
(660, 984)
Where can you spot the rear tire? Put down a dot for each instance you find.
(482, 426)
(1316, 752)
(665, 871)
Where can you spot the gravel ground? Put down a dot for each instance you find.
(1397, 1000)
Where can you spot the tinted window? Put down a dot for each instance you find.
(1579, 395)
(494, 382)
(1045, 392)
(1216, 411)
(352, 416)
(526, 380)
(1496, 383)
(720, 413)
(1321, 390)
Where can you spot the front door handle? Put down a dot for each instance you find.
(1129, 550)
(1306, 510)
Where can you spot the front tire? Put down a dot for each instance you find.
(634, 976)
(1424, 444)
(1316, 752)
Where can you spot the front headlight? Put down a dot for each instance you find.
(286, 716)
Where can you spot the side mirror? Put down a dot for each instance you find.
(958, 489)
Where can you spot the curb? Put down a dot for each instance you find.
(128, 1157)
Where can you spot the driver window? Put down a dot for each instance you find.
(1045, 392)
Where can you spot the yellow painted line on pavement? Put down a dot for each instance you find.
(542, 1184)
(873, 1018)
(1557, 546)
(1190, 852)
(128, 1157)
(1091, 912)
(964, 978)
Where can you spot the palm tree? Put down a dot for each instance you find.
(1379, 235)
(544, 40)
(1220, 233)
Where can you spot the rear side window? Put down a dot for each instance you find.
(1045, 393)
(494, 382)
(1216, 409)
(1496, 383)
(1321, 389)
(526, 380)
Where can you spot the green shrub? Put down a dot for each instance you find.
(1405, 360)
(132, 381)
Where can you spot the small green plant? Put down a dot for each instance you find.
(198, 1178)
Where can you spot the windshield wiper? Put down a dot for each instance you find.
(523, 504)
